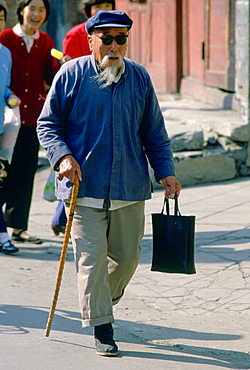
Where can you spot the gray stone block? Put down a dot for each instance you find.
(238, 152)
(186, 135)
(189, 140)
(205, 169)
(248, 155)
(234, 131)
(201, 169)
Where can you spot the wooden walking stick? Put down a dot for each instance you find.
(63, 253)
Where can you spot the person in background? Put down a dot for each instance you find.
(59, 219)
(33, 67)
(76, 45)
(101, 122)
(6, 98)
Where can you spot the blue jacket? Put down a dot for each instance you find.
(5, 70)
(110, 132)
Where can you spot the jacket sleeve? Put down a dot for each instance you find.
(7, 91)
(155, 137)
(50, 124)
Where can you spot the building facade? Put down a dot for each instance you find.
(196, 47)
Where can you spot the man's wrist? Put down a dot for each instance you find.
(57, 166)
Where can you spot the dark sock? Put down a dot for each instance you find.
(104, 330)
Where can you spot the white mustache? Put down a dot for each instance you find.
(105, 60)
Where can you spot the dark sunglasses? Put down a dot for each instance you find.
(107, 40)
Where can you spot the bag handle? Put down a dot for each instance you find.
(176, 207)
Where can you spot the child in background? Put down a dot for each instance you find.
(76, 43)
(6, 98)
(33, 67)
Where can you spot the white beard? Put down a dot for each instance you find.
(107, 76)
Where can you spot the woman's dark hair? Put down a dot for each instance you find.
(85, 5)
(3, 7)
(23, 3)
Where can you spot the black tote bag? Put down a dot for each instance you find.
(173, 241)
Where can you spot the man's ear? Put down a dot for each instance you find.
(90, 40)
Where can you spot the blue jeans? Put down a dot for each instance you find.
(59, 218)
(3, 228)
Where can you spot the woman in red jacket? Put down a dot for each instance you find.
(33, 67)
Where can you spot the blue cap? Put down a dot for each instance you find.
(113, 18)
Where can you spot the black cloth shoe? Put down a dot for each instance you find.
(31, 239)
(8, 247)
(58, 229)
(105, 344)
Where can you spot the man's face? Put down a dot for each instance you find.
(2, 21)
(100, 50)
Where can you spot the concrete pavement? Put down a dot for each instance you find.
(164, 321)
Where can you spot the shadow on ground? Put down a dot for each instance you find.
(159, 341)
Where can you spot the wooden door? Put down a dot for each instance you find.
(154, 41)
(208, 44)
(219, 44)
(193, 40)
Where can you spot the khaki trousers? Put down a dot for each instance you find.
(107, 251)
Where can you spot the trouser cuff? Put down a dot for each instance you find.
(98, 321)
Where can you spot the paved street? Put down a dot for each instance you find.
(164, 321)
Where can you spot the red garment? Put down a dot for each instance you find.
(30, 71)
(76, 43)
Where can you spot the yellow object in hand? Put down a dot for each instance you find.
(12, 101)
(56, 53)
